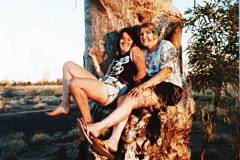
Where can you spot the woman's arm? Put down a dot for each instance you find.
(109, 68)
(138, 59)
(161, 76)
(168, 60)
(95, 63)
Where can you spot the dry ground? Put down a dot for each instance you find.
(26, 133)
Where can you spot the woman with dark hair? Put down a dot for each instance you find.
(162, 87)
(127, 67)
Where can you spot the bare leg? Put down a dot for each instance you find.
(82, 103)
(122, 112)
(70, 70)
(83, 89)
(113, 140)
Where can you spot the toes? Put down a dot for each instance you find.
(57, 112)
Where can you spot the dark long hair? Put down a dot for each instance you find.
(130, 32)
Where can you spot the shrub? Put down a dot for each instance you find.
(74, 133)
(41, 138)
(46, 92)
(9, 93)
(11, 145)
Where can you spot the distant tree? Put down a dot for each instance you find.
(14, 83)
(58, 81)
(213, 49)
(213, 52)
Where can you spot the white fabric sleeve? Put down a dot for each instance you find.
(169, 56)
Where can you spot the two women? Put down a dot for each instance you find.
(163, 86)
(125, 69)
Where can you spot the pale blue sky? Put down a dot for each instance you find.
(38, 36)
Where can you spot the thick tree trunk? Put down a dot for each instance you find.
(153, 135)
(146, 138)
(103, 19)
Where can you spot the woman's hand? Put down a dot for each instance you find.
(136, 91)
(92, 54)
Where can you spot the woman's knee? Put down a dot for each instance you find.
(120, 100)
(67, 65)
(73, 85)
(130, 101)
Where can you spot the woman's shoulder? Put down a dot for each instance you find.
(135, 48)
(166, 43)
(167, 48)
(136, 53)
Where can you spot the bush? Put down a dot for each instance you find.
(73, 134)
(9, 93)
(11, 145)
(46, 92)
(40, 138)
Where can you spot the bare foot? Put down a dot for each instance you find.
(112, 145)
(95, 129)
(58, 112)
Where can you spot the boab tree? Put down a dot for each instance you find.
(165, 135)
(104, 18)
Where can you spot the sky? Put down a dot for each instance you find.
(38, 36)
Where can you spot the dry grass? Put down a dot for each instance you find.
(24, 98)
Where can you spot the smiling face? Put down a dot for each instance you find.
(125, 42)
(147, 37)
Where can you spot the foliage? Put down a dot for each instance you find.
(213, 49)
(11, 145)
(73, 133)
(10, 93)
(40, 138)
(6, 83)
(213, 54)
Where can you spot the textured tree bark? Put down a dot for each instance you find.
(146, 138)
(150, 135)
(103, 19)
